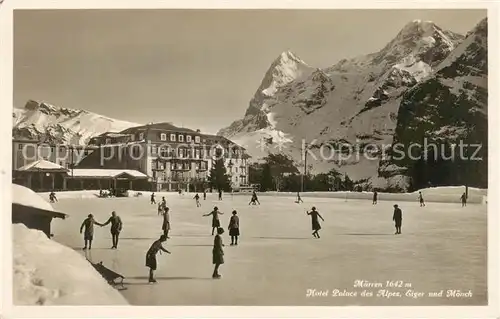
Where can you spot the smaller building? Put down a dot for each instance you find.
(41, 175)
(96, 178)
(32, 210)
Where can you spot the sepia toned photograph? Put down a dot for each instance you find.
(245, 157)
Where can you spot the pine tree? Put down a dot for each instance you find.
(266, 181)
(219, 179)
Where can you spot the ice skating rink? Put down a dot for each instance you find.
(278, 262)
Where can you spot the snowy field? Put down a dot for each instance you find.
(443, 247)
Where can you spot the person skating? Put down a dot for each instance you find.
(164, 201)
(218, 253)
(153, 200)
(204, 195)
(255, 199)
(299, 199)
(234, 228)
(88, 235)
(166, 222)
(197, 197)
(215, 218)
(315, 221)
(220, 194)
(375, 198)
(463, 198)
(421, 199)
(397, 217)
(116, 228)
(52, 197)
(151, 256)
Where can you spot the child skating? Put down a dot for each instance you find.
(151, 256)
(254, 200)
(421, 199)
(299, 199)
(234, 228)
(218, 253)
(315, 221)
(463, 198)
(215, 218)
(153, 200)
(197, 198)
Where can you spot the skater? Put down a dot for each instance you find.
(151, 256)
(218, 253)
(161, 208)
(463, 198)
(220, 194)
(197, 197)
(254, 199)
(299, 199)
(88, 235)
(180, 192)
(204, 195)
(52, 197)
(398, 219)
(116, 228)
(153, 200)
(234, 228)
(166, 222)
(375, 197)
(215, 218)
(163, 201)
(421, 199)
(315, 222)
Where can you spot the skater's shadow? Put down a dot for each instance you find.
(365, 234)
(193, 245)
(282, 237)
(145, 278)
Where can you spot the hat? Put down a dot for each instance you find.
(313, 208)
(216, 208)
(90, 215)
(395, 205)
(220, 230)
(234, 212)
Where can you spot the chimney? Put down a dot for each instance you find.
(198, 131)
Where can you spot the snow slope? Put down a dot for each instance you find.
(40, 120)
(355, 101)
(48, 273)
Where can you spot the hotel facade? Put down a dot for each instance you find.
(172, 157)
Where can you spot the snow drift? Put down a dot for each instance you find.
(48, 273)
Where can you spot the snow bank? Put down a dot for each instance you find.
(438, 194)
(48, 273)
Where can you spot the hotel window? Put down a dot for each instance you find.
(132, 137)
(179, 166)
(153, 150)
(172, 137)
(188, 138)
(141, 136)
(172, 166)
(197, 154)
(181, 138)
(163, 137)
(21, 146)
(108, 141)
(236, 169)
(196, 139)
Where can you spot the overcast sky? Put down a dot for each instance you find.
(196, 68)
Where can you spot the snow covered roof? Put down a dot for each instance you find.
(42, 165)
(111, 173)
(26, 197)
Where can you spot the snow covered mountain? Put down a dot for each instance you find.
(448, 107)
(355, 102)
(42, 121)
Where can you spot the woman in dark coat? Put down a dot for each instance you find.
(218, 253)
(88, 224)
(315, 222)
(166, 222)
(215, 218)
(234, 228)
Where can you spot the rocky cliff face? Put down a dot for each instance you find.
(355, 102)
(447, 109)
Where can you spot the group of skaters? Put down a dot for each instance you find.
(233, 227)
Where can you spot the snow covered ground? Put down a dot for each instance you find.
(48, 273)
(443, 246)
